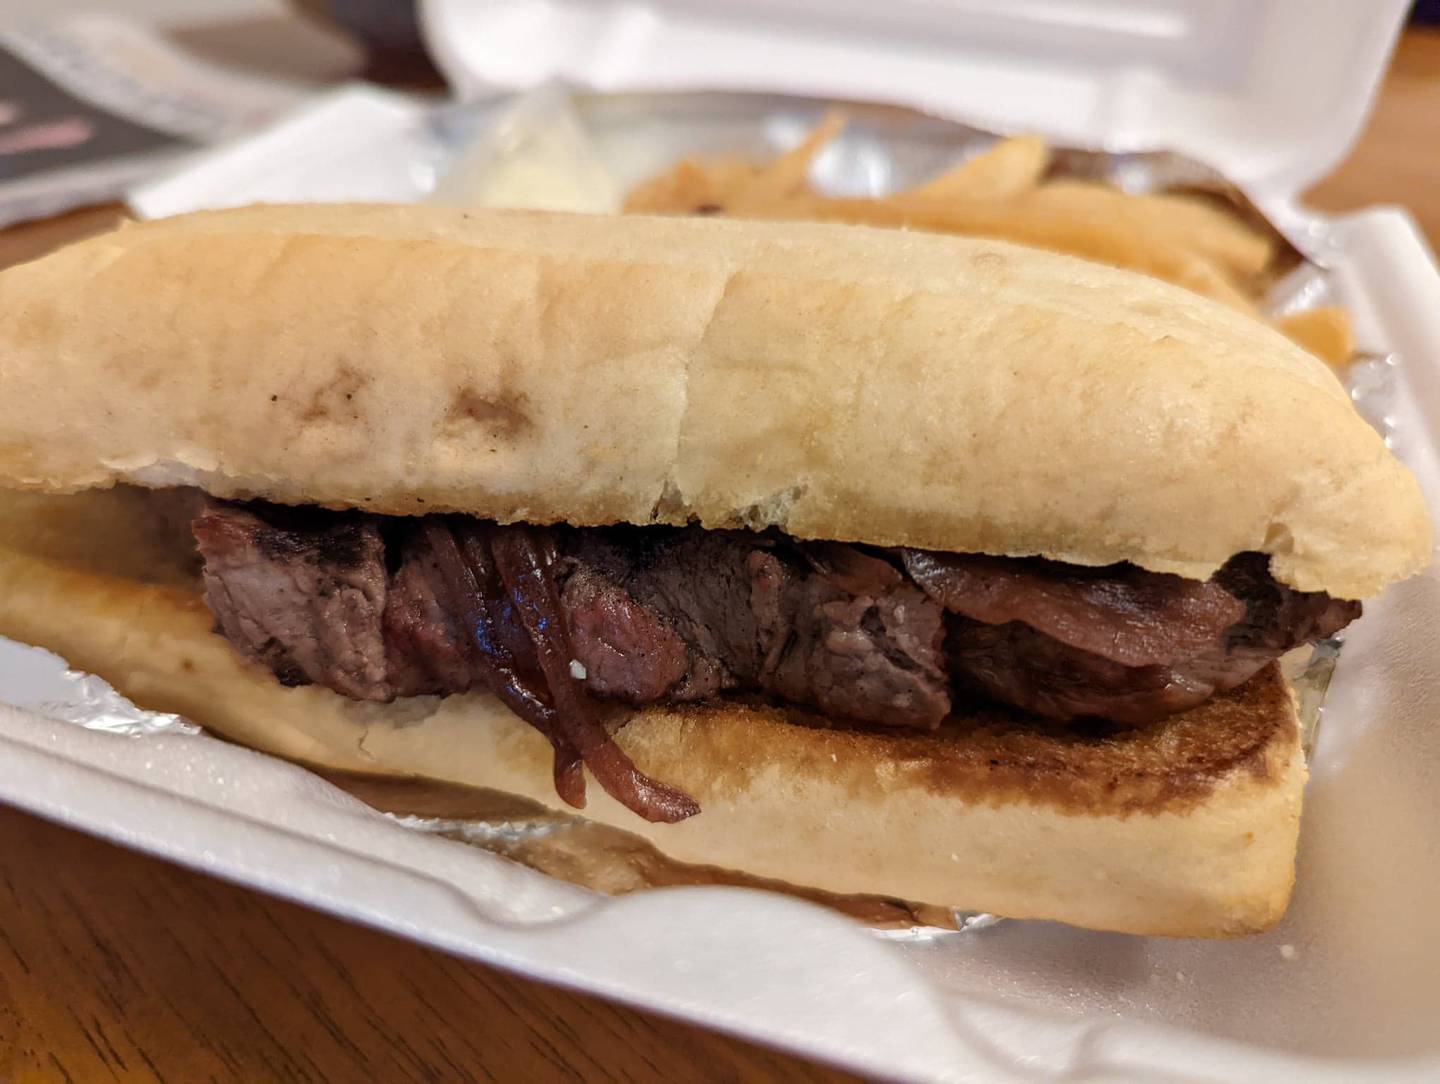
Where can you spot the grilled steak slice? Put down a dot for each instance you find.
(1277, 618)
(1120, 612)
(664, 614)
(669, 595)
(686, 614)
(626, 650)
(425, 644)
(301, 591)
(1117, 642)
(873, 652)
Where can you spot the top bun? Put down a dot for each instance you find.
(831, 381)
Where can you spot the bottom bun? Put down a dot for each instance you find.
(1184, 828)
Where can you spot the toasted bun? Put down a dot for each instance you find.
(1185, 828)
(832, 381)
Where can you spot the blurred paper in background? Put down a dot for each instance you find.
(92, 104)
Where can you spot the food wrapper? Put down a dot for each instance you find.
(1361, 926)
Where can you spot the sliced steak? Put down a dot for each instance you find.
(694, 585)
(1038, 660)
(425, 639)
(627, 651)
(1021, 666)
(681, 614)
(301, 591)
(686, 614)
(873, 654)
(1278, 618)
(1119, 612)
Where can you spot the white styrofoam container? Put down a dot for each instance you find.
(1273, 92)
(1347, 986)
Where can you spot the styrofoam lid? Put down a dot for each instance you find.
(1272, 92)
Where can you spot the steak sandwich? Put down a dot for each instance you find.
(876, 562)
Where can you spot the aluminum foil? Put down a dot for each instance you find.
(610, 860)
(553, 149)
(50, 688)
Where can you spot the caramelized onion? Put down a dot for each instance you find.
(517, 636)
(524, 556)
(470, 574)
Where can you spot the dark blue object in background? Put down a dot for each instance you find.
(1426, 12)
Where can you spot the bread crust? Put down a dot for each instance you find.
(1185, 828)
(831, 381)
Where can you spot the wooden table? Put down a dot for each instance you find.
(115, 966)
(1397, 159)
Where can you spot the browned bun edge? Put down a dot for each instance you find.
(1184, 828)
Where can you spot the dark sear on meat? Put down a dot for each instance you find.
(559, 621)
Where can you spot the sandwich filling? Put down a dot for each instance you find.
(569, 625)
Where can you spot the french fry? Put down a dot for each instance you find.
(1325, 332)
(790, 173)
(1001, 193)
(721, 185)
(692, 187)
(1005, 170)
(1181, 220)
(1100, 241)
(683, 187)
